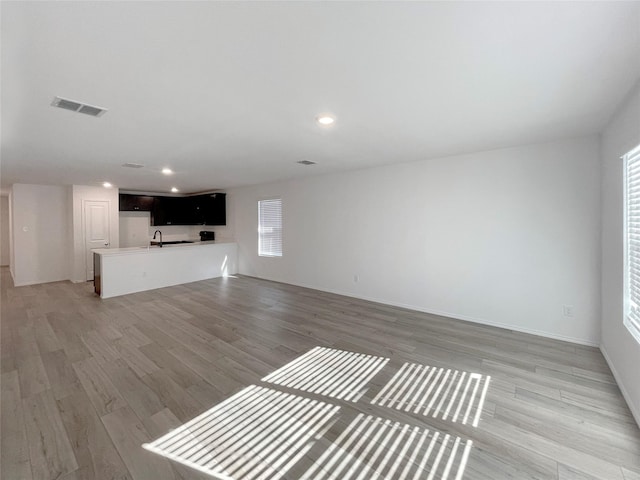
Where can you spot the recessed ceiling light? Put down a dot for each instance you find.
(325, 119)
(107, 185)
(174, 190)
(167, 171)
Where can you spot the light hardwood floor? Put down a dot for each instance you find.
(86, 382)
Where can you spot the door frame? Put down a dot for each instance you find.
(83, 222)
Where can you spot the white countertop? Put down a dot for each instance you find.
(156, 248)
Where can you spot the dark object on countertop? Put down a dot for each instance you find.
(204, 236)
(171, 242)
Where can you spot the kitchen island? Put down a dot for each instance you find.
(119, 271)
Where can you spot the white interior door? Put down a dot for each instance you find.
(96, 230)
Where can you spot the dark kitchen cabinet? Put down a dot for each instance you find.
(165, 211)
(134, 203)
(177, 211)
(194, 210)
(215, 209)
(208, 209)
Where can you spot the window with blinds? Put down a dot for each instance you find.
(632, 244)
(270, 228)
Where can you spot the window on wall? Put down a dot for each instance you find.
(632, 242)
(270, 228)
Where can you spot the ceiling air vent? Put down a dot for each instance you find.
(306, 162)
(78, 107)
(132, 165)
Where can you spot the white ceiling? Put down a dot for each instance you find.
(226, 93)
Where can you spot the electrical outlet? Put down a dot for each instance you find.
(567, 310)
(356, 278)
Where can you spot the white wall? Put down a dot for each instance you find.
(40, 225)
(80, 193)
(505, 237)
(619, 347)
(4, 230)
(136, 230)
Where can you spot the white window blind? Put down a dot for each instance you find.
(632, 231)
(270, 228)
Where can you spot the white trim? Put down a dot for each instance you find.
(83, 223)
(630, 299)
(635, 411)
(633, 152)
(40, 282)
(270, 206)
(633, 329)
(465, 318)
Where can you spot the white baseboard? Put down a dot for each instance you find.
(490, 323)
(482, 321)
(26, 284)
(37, 282)
(634, 410)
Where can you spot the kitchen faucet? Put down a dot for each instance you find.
(154, 236)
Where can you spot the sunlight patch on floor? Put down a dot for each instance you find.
(375, 448)
(330, 372)
(257, 433)
(262, 432)
(437, 392)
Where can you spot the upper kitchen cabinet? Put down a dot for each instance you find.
(215, 208)
(194, 210)
(135, 203)
(208, 209)
(167, 211)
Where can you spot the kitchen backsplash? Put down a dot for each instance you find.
(135, 230)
